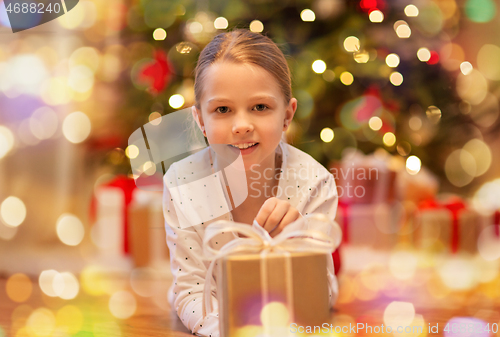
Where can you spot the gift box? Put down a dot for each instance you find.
(365, 179)
(264, 284)
(147, 236)
(370, 225)
(109, 214)
(446, 226)
(285, 289)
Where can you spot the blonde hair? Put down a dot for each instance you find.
(243, 46)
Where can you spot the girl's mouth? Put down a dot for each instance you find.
(246, 150)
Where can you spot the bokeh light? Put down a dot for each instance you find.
(18, 287)
(402, 29)
(375, 123)
(70, 229)
(423, 54)
(76, 127)
(319, 66)
(361, 56)
(66, 285)
(70, 318)
(329, 75)
(256, 26)
(488, 242)
(346, 78)
(473, 87)
(327, 135)
(41, 322)
(307, 15)
(413, 165)
(159, 34)
(392, 60)
(376, 16)
(433, 113)
(454, 171)
(176, 101)
(81, 78)
(452, 55)
(46, 282)
(155, 118)
(411, 10)
(13, 211)
(274, 314)
(458, 273)
(481, 154)
(122, 304)
(221, 23)
(396, 78)
(399, 314)
(132, 151)
(6, 141)
(486, 61)
(351, 44)
(389, 139)
(487, 197)
(480, 10)
(466, 68)
(43, 123)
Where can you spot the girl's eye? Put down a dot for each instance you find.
(260, 107)
(222, 109)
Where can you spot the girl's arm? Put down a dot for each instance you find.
(189, 270)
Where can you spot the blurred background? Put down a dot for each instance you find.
(410, 88)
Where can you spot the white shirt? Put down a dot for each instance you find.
(303, 182)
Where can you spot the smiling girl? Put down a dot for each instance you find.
(243, 103)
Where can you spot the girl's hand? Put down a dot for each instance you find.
(275, 214)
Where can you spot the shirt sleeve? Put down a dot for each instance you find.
(188, 270)
(324, 199)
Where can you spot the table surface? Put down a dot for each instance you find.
(458, 288)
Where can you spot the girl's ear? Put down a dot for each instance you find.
(290, 112)
(198, 118)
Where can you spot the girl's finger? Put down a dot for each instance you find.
(276, 216)
(266, 210)
(291, 216)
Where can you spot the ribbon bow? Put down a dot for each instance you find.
(321, 236)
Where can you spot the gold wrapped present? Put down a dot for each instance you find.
(264, 284)
(272, 293)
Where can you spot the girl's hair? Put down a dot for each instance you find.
(243, 46)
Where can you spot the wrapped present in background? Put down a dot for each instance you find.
(109, 212)
(264, 295)
(417, 187)
(147, 236)
(366, 179)
(371, 225)
(446, 226)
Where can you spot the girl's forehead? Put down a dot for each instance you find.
(238, 78)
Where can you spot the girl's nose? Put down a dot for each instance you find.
(242, 124)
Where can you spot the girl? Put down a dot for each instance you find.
(243, 103)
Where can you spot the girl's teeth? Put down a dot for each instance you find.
(245, 146)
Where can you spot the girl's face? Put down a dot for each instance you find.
(241, 105)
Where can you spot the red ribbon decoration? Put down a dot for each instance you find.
(345, 220)
(496, 222)
(455, 206)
